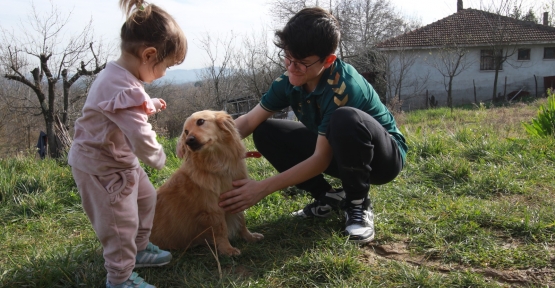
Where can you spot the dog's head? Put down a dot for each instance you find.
(205, 129)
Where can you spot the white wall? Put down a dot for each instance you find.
(422, 76)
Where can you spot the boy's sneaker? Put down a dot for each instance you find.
(134, 281)
(152, 256)
(322, 207)
(359, 221)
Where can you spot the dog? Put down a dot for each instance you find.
(187, 211)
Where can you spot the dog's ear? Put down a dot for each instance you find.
(180, 148)
(225, 122)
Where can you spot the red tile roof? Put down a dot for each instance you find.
(471, 27)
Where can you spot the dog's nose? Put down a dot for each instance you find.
(192, 142)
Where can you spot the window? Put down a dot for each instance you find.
(524, 54)
(489, 59)
(549, 53)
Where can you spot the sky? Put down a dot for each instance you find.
(196, 17)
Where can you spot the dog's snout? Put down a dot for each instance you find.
(192, 142)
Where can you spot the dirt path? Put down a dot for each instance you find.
(513, 278)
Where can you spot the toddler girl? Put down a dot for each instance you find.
(113, 132)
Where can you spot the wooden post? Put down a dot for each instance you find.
(536, 80)
(505, 89)
(427, 99)
(475, 100)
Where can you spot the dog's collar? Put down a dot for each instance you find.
(253, 154)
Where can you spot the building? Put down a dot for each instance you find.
(470, 48)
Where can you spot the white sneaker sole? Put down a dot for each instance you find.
(151, 265)
(362, 241)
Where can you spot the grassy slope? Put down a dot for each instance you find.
(474, 207)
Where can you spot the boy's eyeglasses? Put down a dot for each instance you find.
(299, 65)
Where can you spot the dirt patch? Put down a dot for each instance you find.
(399, 252)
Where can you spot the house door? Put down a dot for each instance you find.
(549, 82)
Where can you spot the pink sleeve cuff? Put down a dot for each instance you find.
(129, 98)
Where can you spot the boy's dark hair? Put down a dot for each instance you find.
(312, 31)
(148, 25)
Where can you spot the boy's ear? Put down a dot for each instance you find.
(329, 60)
(148, 54)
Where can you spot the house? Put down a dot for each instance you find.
(468, 51)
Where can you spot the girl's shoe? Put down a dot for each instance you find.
(152, 256)
(134, 281)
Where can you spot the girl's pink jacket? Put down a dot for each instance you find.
(113, 129)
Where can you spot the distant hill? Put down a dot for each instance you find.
(180, 76)
(175, 76)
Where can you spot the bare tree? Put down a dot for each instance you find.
(257, 66)
(283, 10)
(450, 61)
(198, 97)
(367, 22)
(235, 79)
(41, 48)
(12, 127)
(520, 13)
(164, 123)
(399, 63)
(258, 63)
(501, 43)
(372, 65)
(362, 22)
(219, 69)
(99, 65)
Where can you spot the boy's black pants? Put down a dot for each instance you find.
(363, 151)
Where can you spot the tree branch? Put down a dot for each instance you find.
(20, 78)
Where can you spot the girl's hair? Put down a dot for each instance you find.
(147, 25)
(312, 31)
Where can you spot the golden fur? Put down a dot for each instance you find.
(187, 210)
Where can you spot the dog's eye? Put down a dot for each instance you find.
(186, 132)
(200, 122)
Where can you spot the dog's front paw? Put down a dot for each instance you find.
(255, 237)
(231, 251)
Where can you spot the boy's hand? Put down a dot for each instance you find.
(246, 193)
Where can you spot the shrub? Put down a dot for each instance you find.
(544, 124)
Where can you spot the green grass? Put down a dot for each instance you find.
(474, 207)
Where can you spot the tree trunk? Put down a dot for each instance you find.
(52, 143)
(475, 98)
(66, 85)
(53, 149)
(450, 93)
(505, 90)
(495, 84)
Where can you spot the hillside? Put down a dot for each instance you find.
(181, 76)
